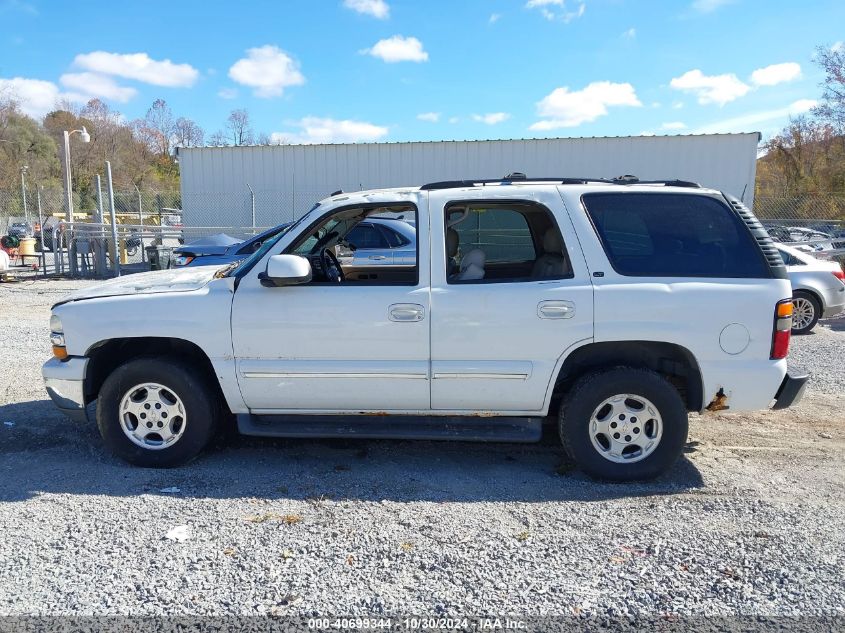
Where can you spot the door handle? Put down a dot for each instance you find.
(377, 257)
(555, 309)
(406, 312)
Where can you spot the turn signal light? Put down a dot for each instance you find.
(783, 329)
(59, 352)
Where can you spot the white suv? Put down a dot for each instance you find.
(616, 306)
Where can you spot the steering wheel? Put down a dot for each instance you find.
(331, 267)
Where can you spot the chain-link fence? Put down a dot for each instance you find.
(150, 223)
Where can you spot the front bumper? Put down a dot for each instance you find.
(65, 382)
(791, 390)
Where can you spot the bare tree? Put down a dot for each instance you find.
(832, 106)
(239, 128)
(219, 138)
(160, 127)
(187, 133)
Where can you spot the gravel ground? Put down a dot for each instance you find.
(750, 521)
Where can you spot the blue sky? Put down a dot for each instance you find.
(398, 70)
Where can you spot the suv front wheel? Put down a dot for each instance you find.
(623, 424)
(156, 412)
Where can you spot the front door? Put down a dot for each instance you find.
(357, 346)
(506, 306)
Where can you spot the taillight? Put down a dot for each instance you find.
(839, 275)
(783, 329)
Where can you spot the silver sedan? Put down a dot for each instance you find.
(818, 288)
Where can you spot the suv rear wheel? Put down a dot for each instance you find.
(156, 412)
(623, 424)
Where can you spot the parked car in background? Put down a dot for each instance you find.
(818, 287)
(19, 229)
(376, 242)
(221, 249)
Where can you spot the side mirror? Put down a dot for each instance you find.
(286, 270)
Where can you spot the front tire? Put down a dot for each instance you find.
(623, 424)
(806, 311)
(156, 413)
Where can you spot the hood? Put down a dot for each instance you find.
(179, 280)
(216, 244)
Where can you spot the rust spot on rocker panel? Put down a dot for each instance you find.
(719, 401)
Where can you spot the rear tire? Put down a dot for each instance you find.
(623, 424)
(806, 312)
(156, 413)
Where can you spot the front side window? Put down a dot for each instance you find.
(673, 235)
(503, 242)
(330, 246)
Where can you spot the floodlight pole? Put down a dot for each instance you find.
(86, 138)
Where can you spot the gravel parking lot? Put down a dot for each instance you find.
(749, 522)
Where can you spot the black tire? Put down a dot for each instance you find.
(590, 391)
(200, 403)
(815, 305)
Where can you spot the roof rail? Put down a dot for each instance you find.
(520, 178)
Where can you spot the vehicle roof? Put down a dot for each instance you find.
(583, 186)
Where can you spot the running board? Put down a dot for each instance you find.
(397, 427)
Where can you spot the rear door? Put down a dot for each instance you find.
(495, 341)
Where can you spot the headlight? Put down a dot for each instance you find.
(57, 336)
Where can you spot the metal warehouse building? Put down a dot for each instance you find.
(229, 186)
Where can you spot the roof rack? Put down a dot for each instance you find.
(518, 177)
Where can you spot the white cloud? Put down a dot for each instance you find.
(708, 6)
(837, 46)
(227, 93)
(376, 8)
(677, 105)
(720, 89)
(494, 17)
(398, 49)
(94, 85)
(556, 9)
(139, 66)
(673, 125)
(432, 117)
(454, 119)
(268, 70)
(319, 130)
(746, 122)
(646, 133)
(563, 108)
(35, 96)
(630, 33)
(776, 74)
(491, 118)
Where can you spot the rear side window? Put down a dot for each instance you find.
(673, 235)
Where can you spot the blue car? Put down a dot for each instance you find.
(221, 249)
(377, 241)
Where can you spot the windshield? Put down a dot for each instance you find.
(238, 268)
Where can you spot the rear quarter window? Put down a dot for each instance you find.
(673, 235)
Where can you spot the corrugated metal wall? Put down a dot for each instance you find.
(288, 179)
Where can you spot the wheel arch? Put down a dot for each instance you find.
(107, 355)
(675, 362)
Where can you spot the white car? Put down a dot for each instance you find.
(616, 306)
(818, 288)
